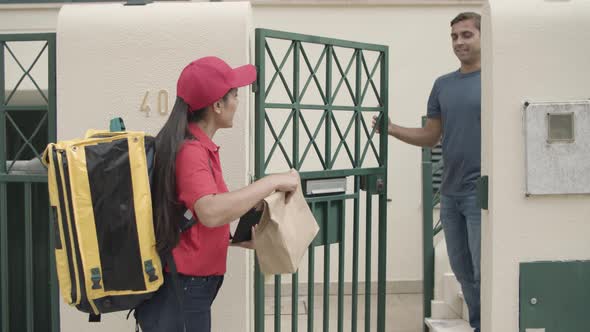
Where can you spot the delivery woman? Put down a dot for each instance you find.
(188, 176)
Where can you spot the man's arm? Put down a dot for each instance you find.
(427, 136)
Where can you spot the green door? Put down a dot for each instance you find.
(28, 284)
(315, 98)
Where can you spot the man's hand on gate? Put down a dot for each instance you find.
(378, 127)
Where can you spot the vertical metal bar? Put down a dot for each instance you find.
(357, 110)
(52, 114)
(259, 102)
(357, 152)
(53, 283)
(328, 114)
(259, 171)
(4, 315)
(341, 255)
(382, 272)
(52, 137)
(428, 249)
(427, 233)
(2, 110)
(368, 244)
(297, 109)
(29, 314)
(294, 301)
(258, 298)
(310, 286)
(327, 269)
(355, 256)
(277, 303)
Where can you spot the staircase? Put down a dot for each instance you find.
(449, 310)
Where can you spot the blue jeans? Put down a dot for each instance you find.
(461, 220)
(162, 312)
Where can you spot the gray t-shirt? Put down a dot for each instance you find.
(456, 99)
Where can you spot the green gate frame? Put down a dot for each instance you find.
(294, 159)
(34, 191)
(432, 167)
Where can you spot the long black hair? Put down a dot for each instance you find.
(167, 209)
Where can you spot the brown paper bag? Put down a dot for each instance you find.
(284, 233)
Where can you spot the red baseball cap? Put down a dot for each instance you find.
(208, 79)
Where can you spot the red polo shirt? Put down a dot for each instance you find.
(202, 251)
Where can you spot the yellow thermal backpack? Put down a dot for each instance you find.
(99, 190)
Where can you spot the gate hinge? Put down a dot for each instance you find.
(482, 192)
(255, 85)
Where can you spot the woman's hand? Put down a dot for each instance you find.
(287, 182)
(248, 244)
(259, 206)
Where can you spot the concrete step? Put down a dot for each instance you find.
(452, 293)
(442, 267)
(448, 325)
(442, 310)
(449, 310)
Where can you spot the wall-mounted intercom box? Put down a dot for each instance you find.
(557, 147)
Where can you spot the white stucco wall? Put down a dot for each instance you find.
(109, 56)
(536, 50)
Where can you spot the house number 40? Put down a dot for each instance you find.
(161, 100)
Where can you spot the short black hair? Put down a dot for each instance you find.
(468, 16)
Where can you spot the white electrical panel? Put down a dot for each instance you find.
(557, 145)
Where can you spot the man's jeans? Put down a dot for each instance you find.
(461, 220)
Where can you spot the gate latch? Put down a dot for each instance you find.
(373, 184)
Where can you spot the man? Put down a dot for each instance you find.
(454, 109)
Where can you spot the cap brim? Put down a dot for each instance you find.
(244, 75)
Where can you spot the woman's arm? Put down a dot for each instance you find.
(220, 209)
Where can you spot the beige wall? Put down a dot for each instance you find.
(106, 66)
(539, 57)
(28, 18)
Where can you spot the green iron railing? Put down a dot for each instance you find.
(28, 281)
(329, 210)
(432, 166)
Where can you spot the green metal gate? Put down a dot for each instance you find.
(28, 284)
(313, 113)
